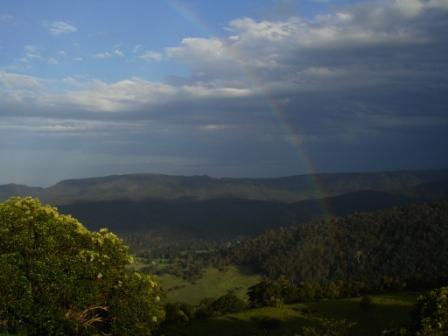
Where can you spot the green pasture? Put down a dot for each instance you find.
(214, 283)
(387, 311)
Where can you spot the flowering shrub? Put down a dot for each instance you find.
(58, 278)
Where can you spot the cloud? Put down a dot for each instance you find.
(151, 56)
(52, 61)
(118, 53)
(60, 27)
(32, 52)
(107, 54)
(102, 55)
(367, 83)
(12, 81)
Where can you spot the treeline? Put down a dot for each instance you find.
(402, 247)
(185, 258)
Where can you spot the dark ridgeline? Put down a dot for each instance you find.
(210, 208)
(229, 218)
(143, 187)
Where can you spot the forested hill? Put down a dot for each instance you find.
(221, 218)
(230, 218)
(401, 244)
(143, 187)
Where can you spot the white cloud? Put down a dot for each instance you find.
(52, 61)
(132, 94)
(151, 56)
(135, 94)
(102, 55)
(78, 59)
(409, 8)
(60, 27)
(339, 52)
(202, 47)
(266, 30)
(107, 54)
(16, 81)
(118, 53)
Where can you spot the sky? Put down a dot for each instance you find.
(253, 88)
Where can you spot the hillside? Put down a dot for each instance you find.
(230, 218)
(143, 187)
(9, 190)
(221, 218)
(397, 245)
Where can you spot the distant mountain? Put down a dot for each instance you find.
(144, 187)
(9, 190)
(229, 218)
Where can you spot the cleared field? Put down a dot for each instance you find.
(214, 283)
(387, 311)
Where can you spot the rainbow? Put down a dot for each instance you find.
(297, 141)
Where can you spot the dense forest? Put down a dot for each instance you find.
(399, 245)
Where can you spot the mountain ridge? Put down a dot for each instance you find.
(230, 218)
(288, 189)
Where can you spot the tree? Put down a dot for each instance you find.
(430, 315)
(58, 278)
(268, 293)
(229, 303)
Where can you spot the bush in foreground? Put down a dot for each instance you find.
(430, 314)
(58, 278)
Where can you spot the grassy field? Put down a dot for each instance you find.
(214, 283)
(387, 311)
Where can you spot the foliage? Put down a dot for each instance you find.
(58, 278)
(377, 251)
(431, 313)
(269, 293)
(273, 293)
(329, 327)
(204, 308)
(229, 303)
(178, 312)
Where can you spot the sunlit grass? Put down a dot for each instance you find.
(214, 283)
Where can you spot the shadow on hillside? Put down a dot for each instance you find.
(233, 326)
(290, 320)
